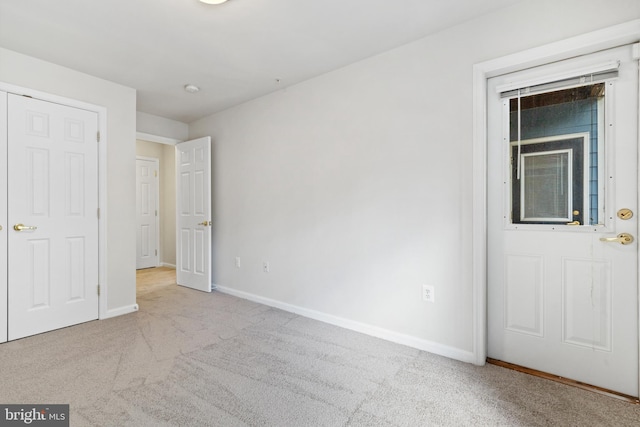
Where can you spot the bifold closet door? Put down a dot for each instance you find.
(52, 226)
(3, 217)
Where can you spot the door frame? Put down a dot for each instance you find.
(618, 35)
(156, 162)
(102, 179)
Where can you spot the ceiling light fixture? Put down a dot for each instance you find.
(191, 88)
(213, 1)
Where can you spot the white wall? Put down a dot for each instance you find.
(120, 102)
(356, 186)
(161, 126)
(168, 199)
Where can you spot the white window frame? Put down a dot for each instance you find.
(585, 136)
(569, 185)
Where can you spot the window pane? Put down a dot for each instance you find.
(546, 192)
(567, 112)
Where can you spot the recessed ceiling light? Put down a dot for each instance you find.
(213, 1)
(191, 88)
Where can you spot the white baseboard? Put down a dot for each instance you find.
(165, 264)
(120, 311)
(374, 331)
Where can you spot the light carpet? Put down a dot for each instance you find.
(193, 359)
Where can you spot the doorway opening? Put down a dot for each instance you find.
(166, 201)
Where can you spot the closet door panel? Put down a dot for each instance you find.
(3, 216)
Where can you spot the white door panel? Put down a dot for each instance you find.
(560, 299)
(193, 230)
(3, 217)
(147, 213)
(52, 190)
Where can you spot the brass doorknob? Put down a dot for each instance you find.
(22, 227)
(622, 238)
(205, 223)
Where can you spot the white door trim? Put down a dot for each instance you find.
(156, 162)
(157, 138)
(102, 179)
(606, 38)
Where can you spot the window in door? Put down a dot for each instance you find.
(556, 150)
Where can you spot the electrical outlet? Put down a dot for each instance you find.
(238, 262)
(265, 266)
(428, 293)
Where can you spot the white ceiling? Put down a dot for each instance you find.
(235, 52)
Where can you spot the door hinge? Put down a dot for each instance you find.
(98, 136)
(98, 290)
(156, 252)
(98, 213)
(156, 212)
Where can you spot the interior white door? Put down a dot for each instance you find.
(4, 229)
(147, 213)
(193, 215)
(560, 299)
(53, 216)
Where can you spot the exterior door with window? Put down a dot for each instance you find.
(563, 219)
